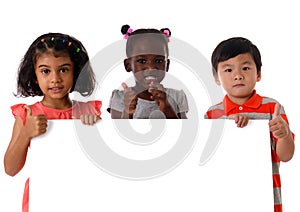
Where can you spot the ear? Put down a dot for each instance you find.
(167, 65)
(127, 64)
(217, 80)
(258, 77)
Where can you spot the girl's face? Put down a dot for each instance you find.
(54, 76)
(238, 77)
(148, 61)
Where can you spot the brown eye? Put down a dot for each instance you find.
(142, 61)
(159, 61)
(63, 70)
(45, 71)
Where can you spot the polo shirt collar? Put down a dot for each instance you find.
(254, 102)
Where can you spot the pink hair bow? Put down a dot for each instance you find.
(129, 31)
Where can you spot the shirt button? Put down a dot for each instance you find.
(240, 107)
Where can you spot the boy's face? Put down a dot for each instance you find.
(148, 61)
(238, 76)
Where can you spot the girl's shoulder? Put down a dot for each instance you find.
(89, 107)
(91, 103)
(78, 108)
(17, 109)
(117, 97)
(174, 93)
(20, 109)
(119, 93)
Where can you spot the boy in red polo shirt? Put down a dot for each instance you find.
(237, 67)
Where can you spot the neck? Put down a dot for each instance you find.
(240, 100)
(59, 104)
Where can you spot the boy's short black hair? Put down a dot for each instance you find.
(231, 48)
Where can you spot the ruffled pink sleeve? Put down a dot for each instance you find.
(19, 110)
(90, 107)
(97, 105)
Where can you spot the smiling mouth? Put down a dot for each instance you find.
(56, 89)
(151, 78)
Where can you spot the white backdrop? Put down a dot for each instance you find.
(202, 24)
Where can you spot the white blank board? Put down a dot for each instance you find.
(238, 177)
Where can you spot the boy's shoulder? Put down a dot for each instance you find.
(220, 106)
(268, 100)
(257, 97)
(258, 103)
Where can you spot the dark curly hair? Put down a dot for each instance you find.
(55, 43)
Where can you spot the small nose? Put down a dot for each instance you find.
(55, 77)
(238, 76)
(149, 66)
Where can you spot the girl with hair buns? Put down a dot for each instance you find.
(147, 58)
